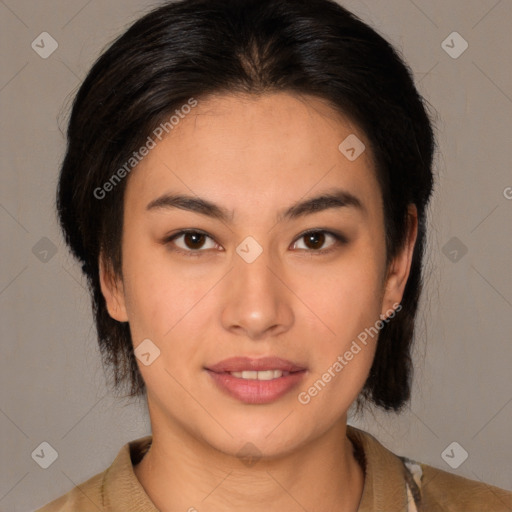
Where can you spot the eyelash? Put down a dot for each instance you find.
(339, 240)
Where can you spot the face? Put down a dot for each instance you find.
(283, 257)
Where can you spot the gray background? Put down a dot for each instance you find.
(53, 387)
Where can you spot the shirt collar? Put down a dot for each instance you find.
(121, 488)
(384, 483)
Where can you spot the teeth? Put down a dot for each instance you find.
(263, 375)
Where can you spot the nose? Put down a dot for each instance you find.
(257, 299)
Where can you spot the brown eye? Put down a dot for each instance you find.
(194, 240)
(314, 241)
(191, 243)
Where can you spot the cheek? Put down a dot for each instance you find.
(158, 302)
(348, 302)
(174, 310)
(342, 358)
(166, 309)
(347, 298)
(151, 292)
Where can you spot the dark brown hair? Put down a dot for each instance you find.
(194, 48)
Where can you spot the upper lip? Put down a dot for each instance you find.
(240, 364)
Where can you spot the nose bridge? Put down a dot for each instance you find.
(257, 301)
(255, 277)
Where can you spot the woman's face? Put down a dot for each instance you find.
(249, 282)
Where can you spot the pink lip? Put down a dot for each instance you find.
(253, 391)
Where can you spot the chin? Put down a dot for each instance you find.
(269, 436)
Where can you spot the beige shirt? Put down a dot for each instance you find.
(391, 485)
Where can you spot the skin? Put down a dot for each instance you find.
(254, 156)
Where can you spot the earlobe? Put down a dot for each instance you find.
(113, 292)
(400, 267)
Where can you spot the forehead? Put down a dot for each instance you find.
(271, 149)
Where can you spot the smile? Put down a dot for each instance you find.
(262, 375)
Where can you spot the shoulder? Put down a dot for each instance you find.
(116, 488)
(444, 491)
(394, 482)
(84, 497)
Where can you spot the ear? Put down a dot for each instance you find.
(113, 291)
(399, 268)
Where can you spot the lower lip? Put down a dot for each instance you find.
(252, 391)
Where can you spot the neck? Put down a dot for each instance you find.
(181, 472)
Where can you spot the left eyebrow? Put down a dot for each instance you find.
(337, 198)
